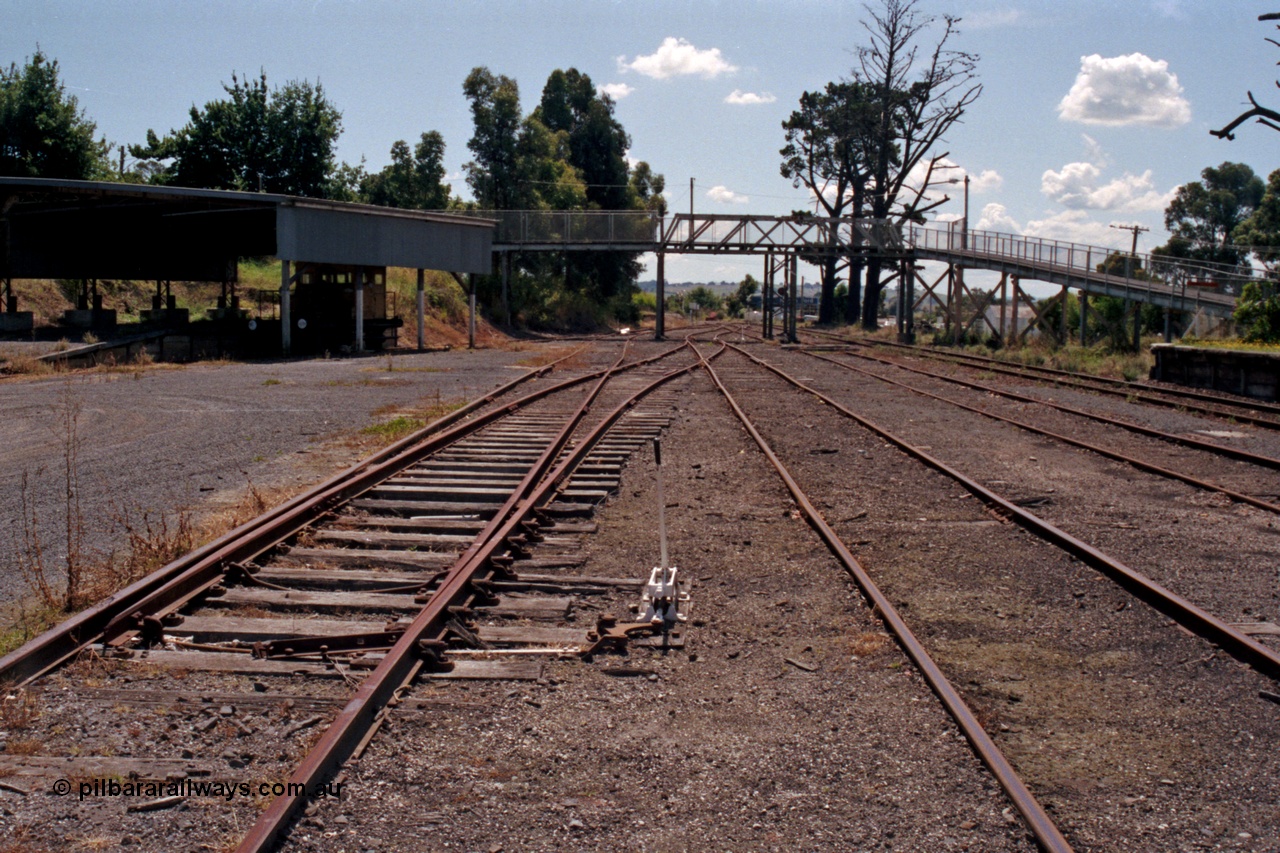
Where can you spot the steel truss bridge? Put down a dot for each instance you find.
(1188, 288)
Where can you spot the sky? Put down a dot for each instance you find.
(1092, 113)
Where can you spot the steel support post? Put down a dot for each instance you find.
(1137, 326)
(764, 299)
(1062, 320)
(286, 320)
(422, 310)
(792, 297)
(660, 314)
(901, 313)
(1084, 318)
(359, 309)
(1168, 325)
(909, 276)
(471, 306)
(506, 287)
(1004, 309)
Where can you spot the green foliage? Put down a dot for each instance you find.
(568, 154)
(830, 150)
(1261, 230)
(495, 174)
(1125, 265)
(43, 132)
(738, 301)
(1204, 214)
(1258, 311)
(279, 141)
(414, 180)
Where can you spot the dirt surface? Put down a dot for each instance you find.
(789, 720)
(167, 438)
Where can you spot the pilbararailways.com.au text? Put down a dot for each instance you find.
(228, 791)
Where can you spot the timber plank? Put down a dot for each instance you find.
(88, 767)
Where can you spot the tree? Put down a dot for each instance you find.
(918, 97)
(413, 180)
(279, 141)
(829, 151)
(1258, 311)
(1204, 214)
(1260, 231)
(1266, 116)
(494, 175)
(43, 131)
(738, 301)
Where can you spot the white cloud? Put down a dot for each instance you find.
(737, 96)
(726, 196)
(677, 57)
(989, 181)
(991, 20)
(995, 217)
(1125, 90)
(1068, 226)
(617, 91)
(1077, 186)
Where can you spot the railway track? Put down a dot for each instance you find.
(1234, 409)
(403, 566)
(426, 627)
(964, 598)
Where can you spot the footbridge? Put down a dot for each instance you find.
(1180, 287)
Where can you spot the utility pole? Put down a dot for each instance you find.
(1133, 251)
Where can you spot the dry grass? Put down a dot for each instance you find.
(545, 356)
(18, 709)
(23, 746)
(868, 643)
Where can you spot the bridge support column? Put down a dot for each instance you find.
(506, 287)
(471, 305)
(1168, 325)
(1004, 309)
(1084, 318)
(286, 320)
(794, 268)
(1062, 320)
(359, 309)
(1137, 326)
(422, 310)
(660, 315)
(765, 302)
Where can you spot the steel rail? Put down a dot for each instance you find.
(1118, 388)
(1177, 608)
(1038, 821)
(1149, 467)
(1185, 441)
(190, 574)
(1191, 394)
(405, 660)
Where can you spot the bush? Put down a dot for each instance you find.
(1258, 312)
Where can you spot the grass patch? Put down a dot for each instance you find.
(394, 429)
(1231, 344)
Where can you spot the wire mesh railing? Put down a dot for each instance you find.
(572, 227)
(1138, 271)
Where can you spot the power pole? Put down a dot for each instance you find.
(1133, 252)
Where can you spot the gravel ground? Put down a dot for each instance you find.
(727, 746)
(1137, 735)
(167, 438)
(789, 721)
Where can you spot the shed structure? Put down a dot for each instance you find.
(330, 251)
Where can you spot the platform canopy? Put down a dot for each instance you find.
(92, 229)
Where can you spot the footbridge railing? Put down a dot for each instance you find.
(1177, 283)
(696, 233)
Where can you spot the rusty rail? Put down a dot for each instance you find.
(408, 656)
(1177, 608)
(1038, 821)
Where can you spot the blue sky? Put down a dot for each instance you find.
(1092, 113)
